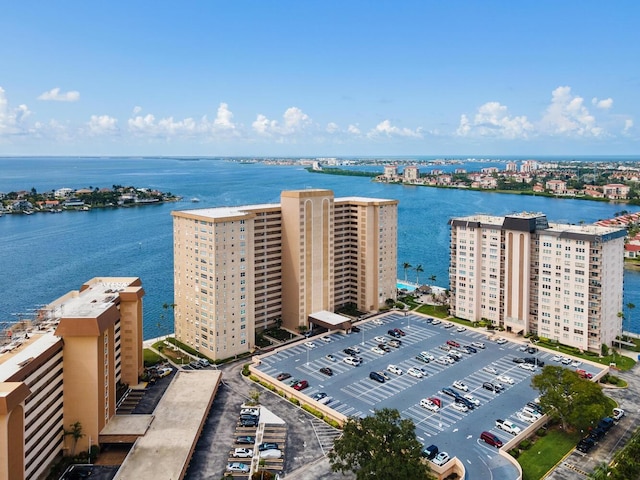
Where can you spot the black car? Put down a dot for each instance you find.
(467, 403)
(248, 420)
(535, 406)
(518, 360)
(489, 386)
(246, 440)
(376, 376)
(597, 433)
(532, 350)
(394, 334)
(383, 346)
(606, 423)
(533, 361)
(468, 349)
(267, 446)
(395, 343)
(586, 444)
(355, 329)
(450, 391)
(283, 376)
(430, 452)
(327, 371)
(350, 352)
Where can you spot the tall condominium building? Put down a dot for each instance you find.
(559, 281)
(66, 370)
(238, 269)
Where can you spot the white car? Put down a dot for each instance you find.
(330, 357)
(428, 356)
(310, 344)
(557, 358)
(472, 399)
(448, 325)
(505, 379)
(271, 453)
(441, 458)
(243, 453)
(490, 369)
(436, 322)
(501, 341)
(378, 350)
(326, 339)
(380, 339)
(442, 360)
(394, 369)
(532, 411)
(526, 416)
(460, 386)
(414, 372)
(429, 405)
(461, 329)
(461, 407)
(618, 413)
(238, 467)
(527, 366)
(377, 321)
(576, 363)
(478, 344)
(355, 349)
(352, 361)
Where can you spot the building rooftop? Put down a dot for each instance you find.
(19, 353)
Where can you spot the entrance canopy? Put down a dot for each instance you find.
(330, 320)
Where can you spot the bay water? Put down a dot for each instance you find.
(43, 256)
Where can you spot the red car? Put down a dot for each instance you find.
(584, 374)
(436, 400)
(453, 343)
(397, 330)
(301, 385)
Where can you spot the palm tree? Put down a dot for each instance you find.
(406, 267)
(418, 270)
(630, 306)
(76, 434)
(432, 279)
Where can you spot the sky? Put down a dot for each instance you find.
(311, 78)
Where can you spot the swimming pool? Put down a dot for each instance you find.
(406, 285)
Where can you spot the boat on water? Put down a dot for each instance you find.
(195, 199)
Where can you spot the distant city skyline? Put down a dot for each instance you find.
(320, 79)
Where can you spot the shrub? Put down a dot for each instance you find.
(541, 432)
(295, 401)
(253, 378)
(525, 444)
(514, 452)
(245, 370)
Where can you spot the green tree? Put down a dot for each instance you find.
(576, 402)
(418, 269)
(406, 267)
(630, 307)
(379, 446)
(432, 279)
(75, 432)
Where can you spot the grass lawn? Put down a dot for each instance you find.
(150, 357)
(546, 452)
(439, 311)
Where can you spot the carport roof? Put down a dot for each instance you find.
(329, 318)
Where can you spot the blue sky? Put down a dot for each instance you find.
(308, 78)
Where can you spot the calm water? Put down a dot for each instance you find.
(44, 256)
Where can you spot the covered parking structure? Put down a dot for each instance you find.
(329, 320)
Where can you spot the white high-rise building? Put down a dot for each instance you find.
(558, 281)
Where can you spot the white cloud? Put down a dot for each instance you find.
(332, 127)
(137, 109)
(102, 124)
(224, 119)
(385, 128)
(12, 121)
(353, 130)
(567, 115)
(294, 121)
(56, 95)
(493, 120)
(628, 125)
(605, 104)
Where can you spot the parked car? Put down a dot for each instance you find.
(310, 344)
(467, 403)
(528, 366)
(472, 399)
(204, 362)
(586, 444)
(352, 361)
(397, 330)
(557, 358)
(505, 379)
(283, 376)
(378, 350)
(501, 341)
(301, 385)
(267, 446)
(453, 343)
(618, 413)
(448, 325)
(584, 374)
(478, 345)
(436, 400)
(249, 421)
(319, 396)
(566, 361)
(429, 405)
(237, 467)
(491, 439)
(350, 351)
(330, 357)
(377, 377)
(380, 339)
(450, 391)
(467, 349)
(414, 372)
(163, 372)
(436, 321)
(355, 329)
(461, 328)
(326, 339)
(250, 411)
(377, 321)
(441, 458)
(517, 360)
(460, 406)
(490, 369)
(271, 453)
(327, 371)
(393, 333)
(460, 386)
(526, 416)
(576, 363)
(242, 453)
(395, 343)
(384, 346)
(246, 440)
(508, 426)
(489, 386)
(394, 369)
(430, 452)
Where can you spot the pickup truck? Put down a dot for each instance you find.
(508, 426)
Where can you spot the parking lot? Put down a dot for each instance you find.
(350, 390)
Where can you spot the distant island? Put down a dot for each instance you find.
(27, 202)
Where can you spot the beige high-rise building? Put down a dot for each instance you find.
(66, 370)
(240, 269)
(561, 282)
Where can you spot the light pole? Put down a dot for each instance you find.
(307, 356)
(362, 336)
